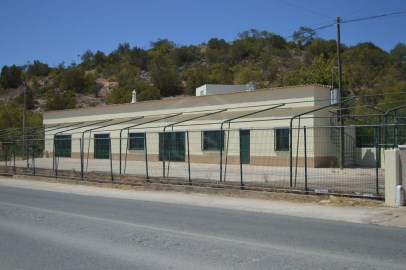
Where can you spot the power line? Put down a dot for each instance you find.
(377, 104)
(314, 29)
(375, 17)
(350, 21)
(305, 9)
(362, 8)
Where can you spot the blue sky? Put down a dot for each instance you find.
(54, 31)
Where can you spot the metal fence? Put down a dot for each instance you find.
(297, 159)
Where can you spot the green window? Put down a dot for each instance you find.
(102, 146)
(172, 146)
(63, 145)
(213, 140)
(282, 139)
(136, 141)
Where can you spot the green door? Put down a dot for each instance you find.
(63, 145)
(102, 146)
(245, 146)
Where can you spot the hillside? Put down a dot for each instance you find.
(166, 69)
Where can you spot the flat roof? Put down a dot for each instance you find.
(184, 97)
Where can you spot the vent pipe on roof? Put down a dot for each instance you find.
(134, 97)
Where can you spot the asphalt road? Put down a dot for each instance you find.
(51, 230)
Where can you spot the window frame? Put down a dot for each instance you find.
(279, 145)
(172, 146)
(133, 137)
(217, 147)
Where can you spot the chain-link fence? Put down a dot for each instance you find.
(333, 159)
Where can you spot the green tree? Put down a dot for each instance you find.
(119, 95)
(139, 58)
(320, 47)
(38, 69)
(270, 64)
(11, 116)
(248, 74)
(221, 74)
(398, 53)
(318, 72)
(11, 77)
(99, 59)
(162, 47)
(90, 84)
(144, 91)
(165, 77)
(72, 79)
(186, 55)
(31, 102)
(217, 51)
(364, 64)
(276, 41)
(304, 36)
(199, 76)
(150, 93)
(87, 59)
(57, 100)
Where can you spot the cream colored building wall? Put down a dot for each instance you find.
(262, 137)
(366, 156)
(304, 98)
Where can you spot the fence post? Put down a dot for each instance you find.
(81, 143)
(111, 162)
(290, 154)
(53, 153)
(377, 158)
(120, 154)
(297, 150)
(305, 156)
(14, 157)
(163, 154)
(146, 155)
(241, 180)
(395, 130)
(221, 152)
(33, 156)
(55, 166)
(188, 156)
(5, 155)
(27, 153)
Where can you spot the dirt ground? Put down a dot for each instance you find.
(331, 200)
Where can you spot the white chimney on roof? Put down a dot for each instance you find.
(134, 97)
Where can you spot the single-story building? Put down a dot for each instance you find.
(253, 123)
